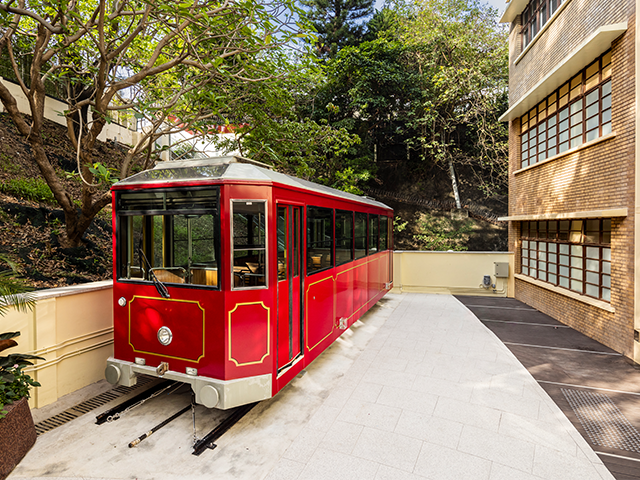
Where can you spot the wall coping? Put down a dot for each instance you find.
(453, 251)
(72, 290)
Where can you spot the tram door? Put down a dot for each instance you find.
(289, 339)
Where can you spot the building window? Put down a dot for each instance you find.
(578, 112)
(535, 16)
(572, 254)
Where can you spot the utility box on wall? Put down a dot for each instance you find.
(501, 269)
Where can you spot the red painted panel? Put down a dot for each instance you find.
(249, 330)
(372, 277)
(185, 319)
(319, 300)
(360, 285)
(344, 293)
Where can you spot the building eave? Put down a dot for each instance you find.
(608, 213)
(514, 8)
(596, 44)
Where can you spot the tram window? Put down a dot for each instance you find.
(361, 235)
(319, 238)
(384, 233)
(249, 244)
(344, 236)
(373, 234)
(169, 235)
(282, 238)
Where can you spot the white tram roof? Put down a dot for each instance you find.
(232, 168)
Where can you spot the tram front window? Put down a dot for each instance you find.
(174, 245)
(249, 243)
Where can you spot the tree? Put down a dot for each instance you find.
(429, 84)
(462, 55)
(165, 60)
(338, 23)
(276, 131)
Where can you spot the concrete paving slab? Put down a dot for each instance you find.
(360, 411)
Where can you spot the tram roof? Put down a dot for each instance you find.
(231, 168)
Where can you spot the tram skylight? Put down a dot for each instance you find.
(180, 174)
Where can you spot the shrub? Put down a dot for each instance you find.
(34, 189)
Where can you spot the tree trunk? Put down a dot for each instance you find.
(454, 184)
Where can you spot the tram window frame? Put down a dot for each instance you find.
(318, 263)
(344, 237)
(374, 234)
(255, 272)
(163, 207)
(361, 219)
(383, 233)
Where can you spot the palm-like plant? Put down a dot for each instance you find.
(14, 293)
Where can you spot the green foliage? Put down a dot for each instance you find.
(338, 23)
(442, 233)
(103, 174)
(7, 165)
(427, 85)
(35, 189)
(14, 383)
(398, 225)
(14, 293)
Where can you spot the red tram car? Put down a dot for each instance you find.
(232, 277)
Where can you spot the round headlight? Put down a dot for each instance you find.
(122, 301)
(165, 336)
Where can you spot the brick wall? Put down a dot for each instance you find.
(598, 177)
(578, 20)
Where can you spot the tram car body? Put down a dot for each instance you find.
(233, 278)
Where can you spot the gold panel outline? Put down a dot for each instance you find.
(335, 278)
(306, 319)
(169, 300)
(231, 359)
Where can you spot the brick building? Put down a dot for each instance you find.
(573, 168)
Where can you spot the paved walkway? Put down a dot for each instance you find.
(419, 388)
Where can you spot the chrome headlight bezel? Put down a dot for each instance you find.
(165, 336)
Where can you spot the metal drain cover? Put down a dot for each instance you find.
(604, 423)
(87, 406)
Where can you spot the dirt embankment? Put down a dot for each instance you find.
(31, 223)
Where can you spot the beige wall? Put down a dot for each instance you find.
(53, 109)
(72, 329)
(456, 273)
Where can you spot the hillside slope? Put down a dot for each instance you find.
(30, 220)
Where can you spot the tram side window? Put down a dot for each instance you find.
(249, 244)
(174, 240)
(384, 233)
(373, 234)
(319, 238)
(361, 235)
(344, 236)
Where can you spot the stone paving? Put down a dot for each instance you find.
(419, 388)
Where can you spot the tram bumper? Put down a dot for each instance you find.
(210, 392)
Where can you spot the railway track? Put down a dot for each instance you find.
(230, 417)
(199, 445)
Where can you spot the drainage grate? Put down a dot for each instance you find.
(604, 423)
(88, 405)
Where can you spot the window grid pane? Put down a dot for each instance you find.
(575, 255)
(546, 133)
